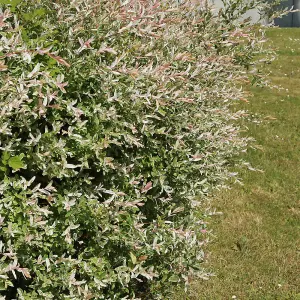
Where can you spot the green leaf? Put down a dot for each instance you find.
(174, 278)
(13, 3)
(16, 162)
(162, 112)
(4, 169)
(133, 258)
(7, 2)
(5, 157)
(40, 12)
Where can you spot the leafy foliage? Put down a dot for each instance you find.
(115, 124)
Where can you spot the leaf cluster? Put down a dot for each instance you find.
(115, 124)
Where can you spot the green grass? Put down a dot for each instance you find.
(256, 250)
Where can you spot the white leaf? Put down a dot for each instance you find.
(34, 71)
(70, 166)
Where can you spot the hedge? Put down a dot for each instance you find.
(115, 124)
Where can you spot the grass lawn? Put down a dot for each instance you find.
(256, 253)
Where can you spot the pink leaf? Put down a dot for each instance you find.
(147, 187)
(59, 59)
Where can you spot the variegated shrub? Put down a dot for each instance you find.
(114, 126)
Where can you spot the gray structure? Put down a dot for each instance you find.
(253, 13)
(290, 20)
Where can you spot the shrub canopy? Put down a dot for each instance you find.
(114, 126)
